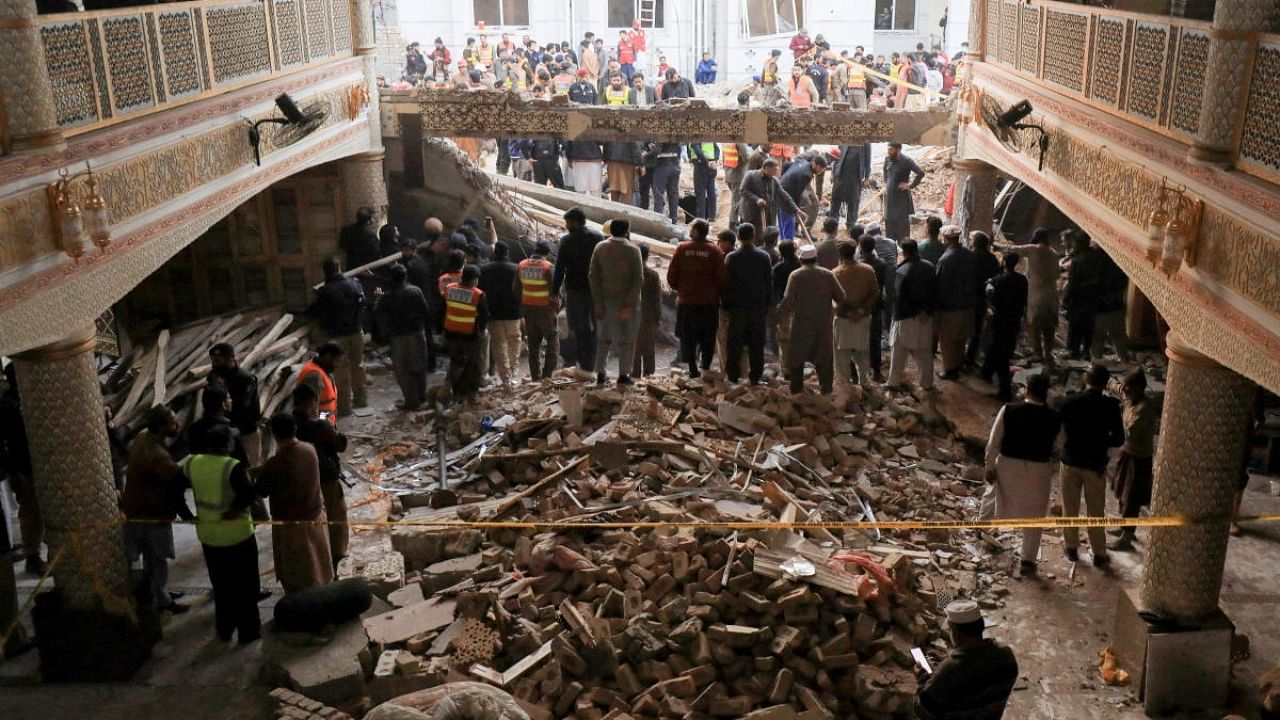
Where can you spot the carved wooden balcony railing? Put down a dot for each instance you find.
(109, 66)
(1147, 69)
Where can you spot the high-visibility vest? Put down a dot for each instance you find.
(486, 54)
(708, 151)
(460, 308)
(562, 83)
(616, 97)
(729, 155)
(328, 399)
(769, 71)
(516, 80)
(857, 78)
(446, 280)
(210, 477)
(535, 282)
(800, 97)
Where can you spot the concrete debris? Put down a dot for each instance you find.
(612, 622)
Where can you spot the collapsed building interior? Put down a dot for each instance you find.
(685, 548)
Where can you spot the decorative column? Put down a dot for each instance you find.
(362, 35)
(363, 185)
(975, 196)
(1233, 41)
(24, 79)
(71, 468)
(977, 30)
(1207, 409)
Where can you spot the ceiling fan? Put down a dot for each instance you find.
(295, 125)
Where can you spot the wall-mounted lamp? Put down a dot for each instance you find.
(1011, 119)
(76, 227)
(1173, 228)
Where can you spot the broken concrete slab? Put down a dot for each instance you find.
(403, 623)
(326, 670)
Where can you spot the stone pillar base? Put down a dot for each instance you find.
(91, 645)
(1173, 669)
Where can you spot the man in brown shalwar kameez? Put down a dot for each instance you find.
(291, 479)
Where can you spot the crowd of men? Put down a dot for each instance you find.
(220, 458)
(817, 76)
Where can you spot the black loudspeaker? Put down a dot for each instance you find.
(333, 604)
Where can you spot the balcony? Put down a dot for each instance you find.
(110, 66)
(1149, 70)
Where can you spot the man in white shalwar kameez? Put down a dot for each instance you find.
(1018, 456)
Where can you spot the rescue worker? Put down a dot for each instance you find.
(703, 156)
(465, 320)
(801, 91)
(855, 85)
(734, 158)
(539, 308)
(618, 94)
(318, 374)
(223, 495)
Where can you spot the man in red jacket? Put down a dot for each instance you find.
(801, 43)
(696, 274)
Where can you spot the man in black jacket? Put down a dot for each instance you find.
(763, 197)
(1093, 425)
(1008, 300)
(582, 91)
(988, 267)
(666, 178)
(912, 333)
(573, 265)
(795, 182)
(216, 405)
(546, 163)
(501, 287)
(867, 254)
(403, 310)
(676, 86)
(338, 307)
(850, 174)
(242, 388)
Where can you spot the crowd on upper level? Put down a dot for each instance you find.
(817, 74)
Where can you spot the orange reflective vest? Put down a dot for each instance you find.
(617, 97)
(857, 78)
(562, 83)
(799, 95)
(485, 52)
(446, 280)
(535, 282)
(770, 71)
(461, 303)
(729, 155)
(328, 391)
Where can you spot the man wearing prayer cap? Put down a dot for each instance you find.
(974, 682)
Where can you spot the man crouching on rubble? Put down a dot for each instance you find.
(974, 682)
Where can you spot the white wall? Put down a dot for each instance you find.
(928, 13)
(689, 27)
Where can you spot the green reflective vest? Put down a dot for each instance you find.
(210, 477)
(708, 151)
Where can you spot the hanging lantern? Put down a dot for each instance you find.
(97, 219)
(1156, 224)
(70, 221)
(1174, 244)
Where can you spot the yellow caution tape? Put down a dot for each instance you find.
(31, 601)
(1046, 523)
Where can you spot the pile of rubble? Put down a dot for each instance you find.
(632, 598)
